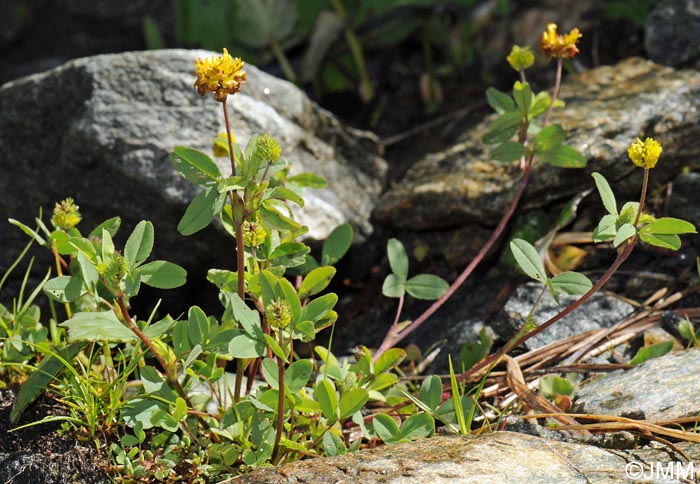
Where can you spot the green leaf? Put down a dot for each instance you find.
(297, 375)
(625, 232)
(180, 409)
(426, 286)
(30, 232)
(528, 259)
(417, 426)
(666, 241)
(393, 286)
(88, 271)
(275, 347)
(275, 218)
(457, 400)
(162, 274)
(606, 229)
(431, 392)
(97, 326)
(503, 128)
(652, 351)
(499, 101)
(111, 225)
(316, 281)
(270, 373)
(248, 318)
(386, 428)
(327, 398)
(606, 193)
(319, 307)
(509, 151)
(563, 156)
(198, 327)
(38, 381)
(398, 260)
(310, 180)
(522, 93)
(553, 385)
(243, 346)
(64, 289)
(389, 360)
(540, 104)
(201, 211)
(195, 166)
(669, 225)
(337, 244)
(289, 254)
(282, 193)
(333, 445)
(352, 402)
(550, 137)
(139, 245)
(571, 283)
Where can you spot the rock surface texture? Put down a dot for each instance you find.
(99, 129)
(670, 33)
(496, 458)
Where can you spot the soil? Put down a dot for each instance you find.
(41, 454)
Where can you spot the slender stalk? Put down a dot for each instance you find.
(230, 140)
(621, 257)
(59, 270)
(280, 401)
(642, 199)
(393, 337)
(555, 91)
(170, 374)
(284, 61)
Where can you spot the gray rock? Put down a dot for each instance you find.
(99, 129)
(670, 33)
(606, 109)
(659, 389)
(600, 311)
(499, 457)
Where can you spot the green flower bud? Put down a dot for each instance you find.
(267, 148)
(520, 58)
(278, 313)
(254, 233)
(114, 273)
(66, 215)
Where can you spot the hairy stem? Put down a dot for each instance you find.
(555, 91)
(230, 140)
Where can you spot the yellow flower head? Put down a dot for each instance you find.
(520, 58)
(66, 214)
(557, 45)
(645, 154)
(222, 75)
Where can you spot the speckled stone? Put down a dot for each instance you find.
(662, 388)
(495, 458)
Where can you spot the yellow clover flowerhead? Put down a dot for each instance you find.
(66, 214)
(222, 75)
(520, 58)
(558, 45)
(645, 154)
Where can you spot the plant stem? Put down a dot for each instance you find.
(642, 199)
(393, 337)
(621, 257)
(555, 91)
(280, 401)
(230, 141)
(170, 374)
